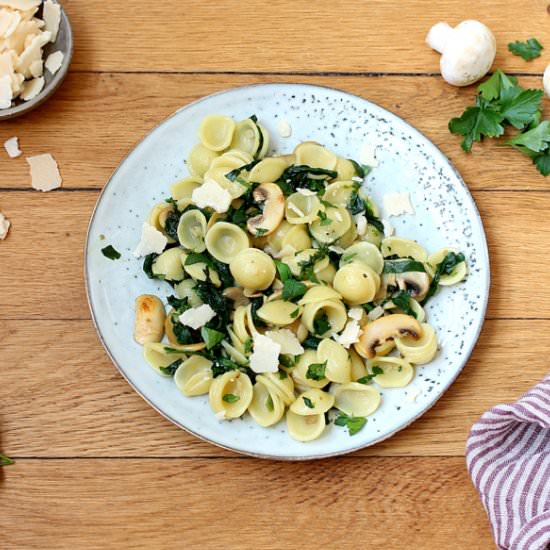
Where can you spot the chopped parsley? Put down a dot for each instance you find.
(248, 345)
(269, 404)
(260, 231)
(222, 365)
(375, 372)
(309, 403)
(321, 323)
(403, 301)
(316, 371)
(354, 424)
(325, 220)
(230, 398)
(293, 289)
(171, 369)
(111, 253)
(445, 267)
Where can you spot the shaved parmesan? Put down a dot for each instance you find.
(306, 192)
(54, 62)
(265, 354)
(52, 17)
(212, 195)
(197, 317)
(6, 93)
(361, 224)
(32, 52)
(367, 156)
(412, 394)
(389, 229)
(20, 4)
(44, 172)
(375, 313)
(290, 345)
(4, 226)
(285, 131)
(349, 335)
(37, 68)
(355, 313)
(32, 88)
(12, 147)
(396, 204)
(9, 20)
(220, 415)
(152, 241)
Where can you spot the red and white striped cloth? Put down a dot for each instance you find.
(508, 457)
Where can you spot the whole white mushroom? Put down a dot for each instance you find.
(467, 51)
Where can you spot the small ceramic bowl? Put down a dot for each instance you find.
(64, 43)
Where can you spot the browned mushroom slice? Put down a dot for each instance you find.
(273, 211)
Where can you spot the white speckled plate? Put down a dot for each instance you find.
(446, 215)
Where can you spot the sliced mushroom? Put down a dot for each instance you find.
(416, 283)
(236, 294)
(384, 329)
(273, 210)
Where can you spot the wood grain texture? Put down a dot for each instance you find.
(45, 275)
(342, 35)
(241, 504)
(81, 406)
(104, 115)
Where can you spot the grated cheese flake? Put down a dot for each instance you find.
(54, 62)
(152, 241)
(397, 204)
(290, 345)
(285, 131)
(197, 317)
(44, 172)
(212, 195)
(4, 226)
(11, 146)
(52, 18)
(265, 354)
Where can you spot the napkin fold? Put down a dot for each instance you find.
(508, 457)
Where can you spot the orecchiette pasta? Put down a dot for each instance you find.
(288, 297)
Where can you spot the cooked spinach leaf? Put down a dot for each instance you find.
(445, 267)
(111, 253)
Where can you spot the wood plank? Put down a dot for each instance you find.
(45, 275)
(229, 35)
(142, 504)
(81, 406)
(98, 118)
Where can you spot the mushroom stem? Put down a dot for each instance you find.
(438, 36)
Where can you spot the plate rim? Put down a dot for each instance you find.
(294, 458)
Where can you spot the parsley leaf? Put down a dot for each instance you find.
(111, 253)
(222, 365)
(527, 50)
(496, 85)
(309, 403)
(321, 323)
(536, 139)
(477, 122)
(375, 372)
(542, 162)
(171, 369)
(293, 289)
(402, 266)
(354, 424)
(211, 337)
(5, 461)
(445, 267)
(325, 220)
(519, 107)
(403, 301)
(316, 371)
(283, 270)
(230, 398)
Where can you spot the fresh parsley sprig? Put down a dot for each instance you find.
(527, 50)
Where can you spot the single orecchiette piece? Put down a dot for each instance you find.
(230, 393)
(194, 376)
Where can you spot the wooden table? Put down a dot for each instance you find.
(96, 467)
